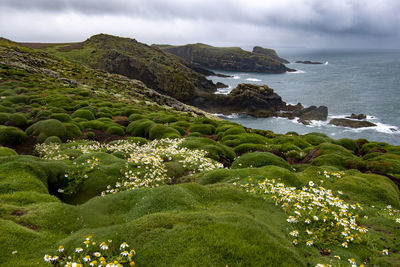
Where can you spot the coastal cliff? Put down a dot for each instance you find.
(226, 58)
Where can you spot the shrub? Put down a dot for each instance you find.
(72, 131)
(94, 124)
(349, 144)
(317, 138)
(259, 159)
(182, 124)
(103, 115)
(140, 128)
(57, 110)
(5, 152)
(17, 119)
(181, 130)
(63, 117)
(46, 128)
(166, 119)
(116, 130)
(18, 99)
(245, 148)
(129, 111)
(214, 149)
(233, 131)
(52, 139)
(11, 136)
(43, 114)
(237, 139)
(207, 129)
(4, 117)
(138, 140)
(159, 131)
(135, 117)
(83, 113)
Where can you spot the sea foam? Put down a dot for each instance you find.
(253, 80)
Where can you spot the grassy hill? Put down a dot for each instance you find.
(162, 72)
(89, 156)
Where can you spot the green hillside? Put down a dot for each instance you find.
(162, 72)
(88, 157)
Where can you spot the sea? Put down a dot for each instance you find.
(348, 81)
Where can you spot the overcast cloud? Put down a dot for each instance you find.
(272, 23)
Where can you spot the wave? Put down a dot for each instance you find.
(297, 71)
(253, 80)
(326, 63)
(380, 127)
(229, 116)
(235, 77)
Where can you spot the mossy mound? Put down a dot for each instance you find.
(116, 130)
(317, 138)
(245, 148)
(370, 189)
(159, 131)
(206, 129)
(259, 159)
(18, 120)
(83, 113)
(215, 150)
(242, 175)
(46, 128)
(63, 117)
(5, 152)
(233, 140)
(11, 136)
(140, 128)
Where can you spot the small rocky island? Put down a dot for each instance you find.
(258, 101)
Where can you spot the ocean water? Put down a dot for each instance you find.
(349, 81)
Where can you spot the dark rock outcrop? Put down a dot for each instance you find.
(309, 62)
(351, 123)
(226, 58)
(357, 116)
(251, 99)
(312, 113)
(269, 52)
(221, 85)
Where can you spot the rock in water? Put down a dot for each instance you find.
(309, 62)
(312, 113)
(251, 99)
(357, 117)
(221, 85)
(351, 123)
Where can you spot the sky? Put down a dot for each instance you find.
(245, 23)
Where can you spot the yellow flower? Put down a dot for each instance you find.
(132, 263)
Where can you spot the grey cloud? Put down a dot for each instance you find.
(350, 19)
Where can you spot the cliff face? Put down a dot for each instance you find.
(269, 52)
(165, 73)
(226, 58)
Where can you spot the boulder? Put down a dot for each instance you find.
(221, 85)
(357, 117)
(312, 113)
(351, 123)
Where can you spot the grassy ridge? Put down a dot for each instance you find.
(190, 218)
